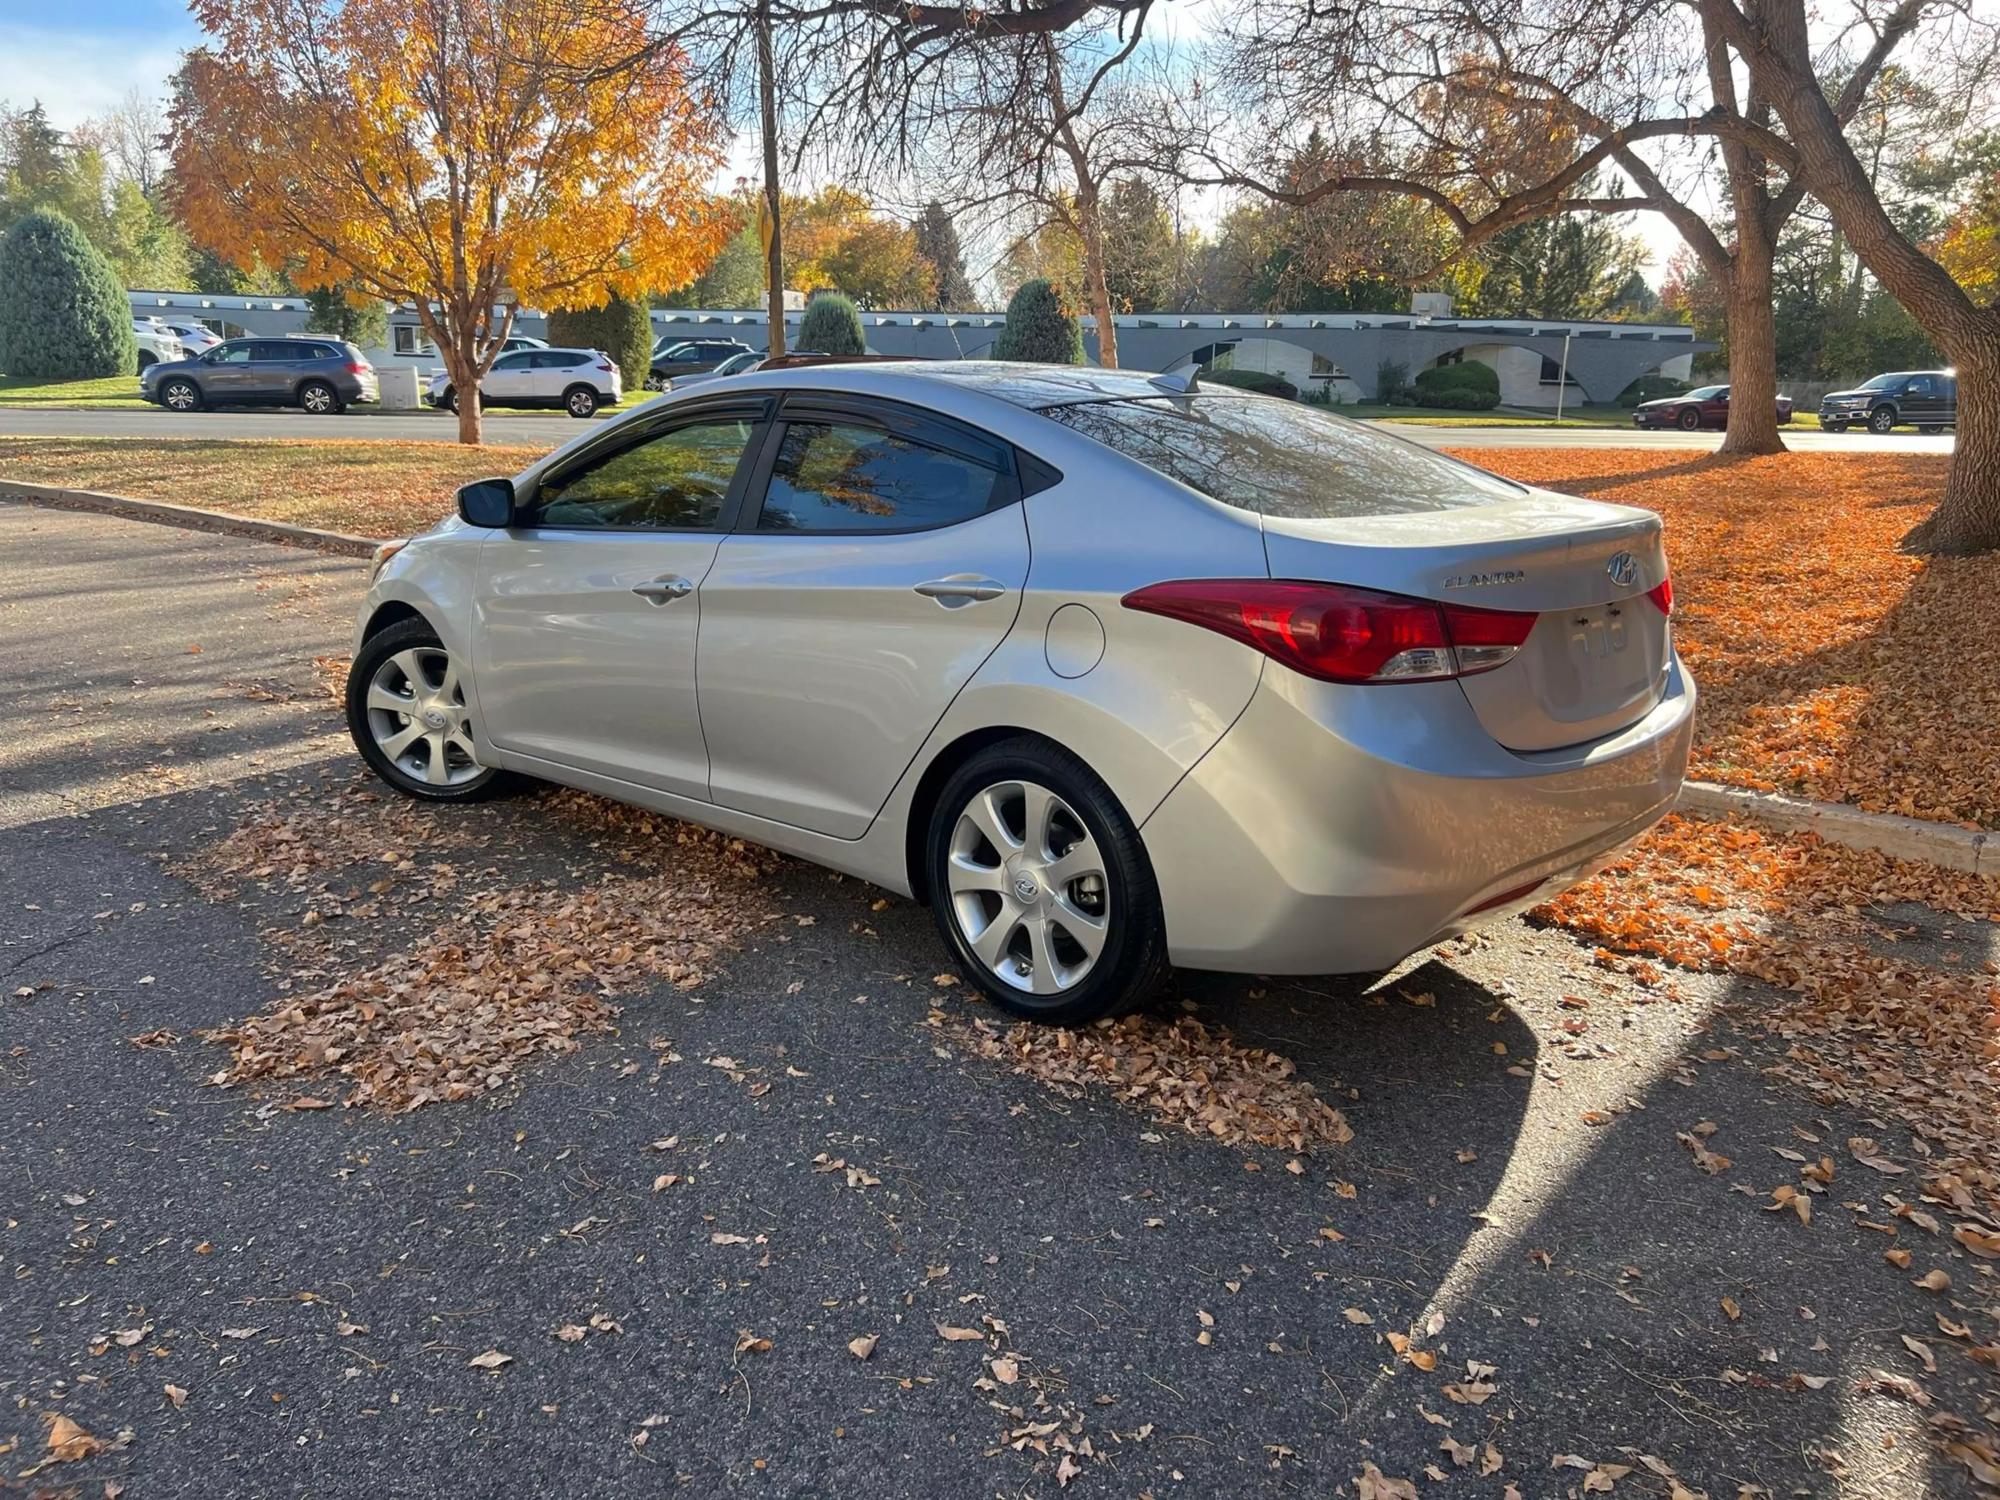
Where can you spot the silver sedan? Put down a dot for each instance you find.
(1113, 671)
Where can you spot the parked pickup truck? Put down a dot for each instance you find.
(1924, 399)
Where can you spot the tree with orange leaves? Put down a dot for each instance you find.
(465, 156)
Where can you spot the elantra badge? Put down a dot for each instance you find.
(1623, 568)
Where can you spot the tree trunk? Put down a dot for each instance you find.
(469, 415)
(1753, 357)
(464, 372)
(1967, 518)
(1096, 286)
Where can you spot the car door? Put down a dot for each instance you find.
(1920, 403)
(880, 561)
(271, 371)
(587, 611)
(556, 370)
(226, 372)
(511, 381)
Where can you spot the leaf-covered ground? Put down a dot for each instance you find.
(1830, 664)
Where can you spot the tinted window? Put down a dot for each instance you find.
(272, 351)
(1279, 458)
(686, 354)
(234, 354)
(1920, 386)
(557, 359)
(518, 361)
(1883, 382)
(837, 476)
(674, 481)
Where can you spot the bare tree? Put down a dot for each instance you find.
(135, 137)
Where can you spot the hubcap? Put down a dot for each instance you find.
(179, 396)
(316, 399)
(580, 404)
(1028, 887)
(416, 712)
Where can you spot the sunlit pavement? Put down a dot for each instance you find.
(543, 430)
(1162, 1313)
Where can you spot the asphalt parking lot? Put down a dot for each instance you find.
(796, 1218)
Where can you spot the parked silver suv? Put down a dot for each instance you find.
(322, 375)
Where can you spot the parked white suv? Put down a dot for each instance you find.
(196, 338)
(158, 344)
(578, 381)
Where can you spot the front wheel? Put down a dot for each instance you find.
(1689, 420)
(580, 401)
(1833, 426)
(1882, 419)
(320, 399)
(1041, 888)
(449, 400)
(1929, 429)
(407, 713)
(655, 381)
(181, 395)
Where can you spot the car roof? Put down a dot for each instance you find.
(1018, 384)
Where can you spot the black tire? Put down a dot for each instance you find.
(580, 401)
(180, 395)
(449, 400)
(1689, 420)
(376, 652)
(320, 399)
(1826, 426)
(1132, 963)
(1929, 429)
(1882, 419)
(147, 358)
(655, 381)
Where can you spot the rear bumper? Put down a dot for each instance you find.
(1339, 830)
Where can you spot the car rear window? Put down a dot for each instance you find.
(1282, 458)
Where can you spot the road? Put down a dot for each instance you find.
(542, 430)
(675, 1230)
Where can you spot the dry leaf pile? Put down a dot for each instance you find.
(517, 969)
(1830, 665)
(1189, 1075)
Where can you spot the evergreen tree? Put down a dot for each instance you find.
(329, 309)
(937, 243)
(63, 315)
(621, 328)
(831, 326)
(1041, 326)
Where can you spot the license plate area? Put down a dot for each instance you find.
(1598, 634)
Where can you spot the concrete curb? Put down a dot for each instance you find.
(1945, 844)
(189, 517)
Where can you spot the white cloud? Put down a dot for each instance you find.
(79, 74)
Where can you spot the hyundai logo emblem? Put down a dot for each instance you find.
(1623, 568)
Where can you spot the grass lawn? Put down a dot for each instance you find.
(1830, 664)
(368, 488)
(1573, 416)
(112, 391)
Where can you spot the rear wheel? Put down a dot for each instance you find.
(1882, 419)
(1833, 426)
(1041, 887)
(181, 395)
(580, 401)
(655, 381)
(320, 399)
(1929, 429)
(1688, 420)
(407, 713)
(449, 400)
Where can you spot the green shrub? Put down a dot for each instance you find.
(1651, 388)
(1466, 386)
(63, 315)
(1392, 381)
(621, 328)
(1252, 380)
(1041, 327)
(831, 326)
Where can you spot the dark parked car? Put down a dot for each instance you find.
(689, 357)
(319, 374)
(1704, 406)
(1925, 399)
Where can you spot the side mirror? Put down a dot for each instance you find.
(487, 502)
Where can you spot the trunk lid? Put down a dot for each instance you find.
(1596, 659)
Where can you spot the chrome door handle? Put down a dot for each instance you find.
(961, 588)
(664, 590)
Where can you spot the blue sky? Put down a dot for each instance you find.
(80, 58)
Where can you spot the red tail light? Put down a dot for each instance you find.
(358, 367)
(1338, 633)
(1662, 594)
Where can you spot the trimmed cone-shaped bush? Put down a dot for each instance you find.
(63, 315)
(621, 328)
(831, 326)
(1041, 326)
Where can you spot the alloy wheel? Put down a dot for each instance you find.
(1881, 420)
(581, 403)
(1028, 887)
(179, 395)
(316, 399)
(418, 718)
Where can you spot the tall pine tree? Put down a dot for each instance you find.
(937, 242)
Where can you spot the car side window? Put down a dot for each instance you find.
(232, 354)
(269, 353)
(687, 355)
(847, 476)
(1918, 386)
(516, 361)
(555, 359)
(672, 481)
